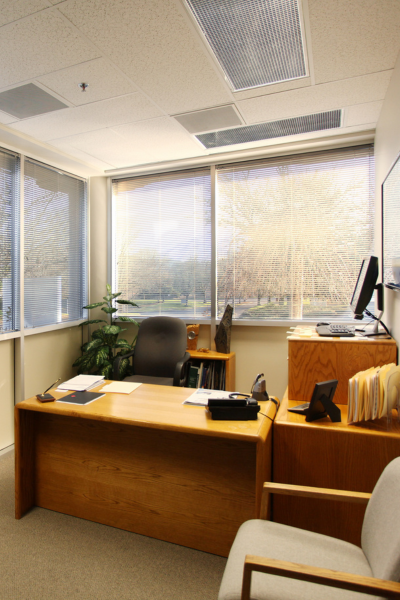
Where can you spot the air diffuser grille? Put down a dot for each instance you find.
(256, 42)
(274, 129)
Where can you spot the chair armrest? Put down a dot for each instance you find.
(180, 371)
(309, 492)
(117, 363)
(338, 579)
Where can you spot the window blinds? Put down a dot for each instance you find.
(162, 243)
(55, 253)
(9, 240)
(292, 232)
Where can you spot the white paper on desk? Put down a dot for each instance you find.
(120, 387)
(201, 396)
(81, 383)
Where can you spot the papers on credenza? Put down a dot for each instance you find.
(373, 393)
(81, 383)
(201, 396)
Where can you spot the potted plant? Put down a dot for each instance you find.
(100, 353)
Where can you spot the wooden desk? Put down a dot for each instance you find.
(332, 455)
(145, 463)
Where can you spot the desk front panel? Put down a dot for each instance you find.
(190, 489)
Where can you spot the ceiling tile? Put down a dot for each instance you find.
(105, 81)
(162, 138)
(107, 146)
(318, 98)
(363, 114)
(89, 117)
(155, 46)
(353, 38)
(6, 119)
(80, 155)
(12, 11)
(40, 44)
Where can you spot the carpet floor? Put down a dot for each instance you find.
(51, 556)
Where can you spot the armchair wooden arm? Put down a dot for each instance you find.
(345, 581)
(308, 492)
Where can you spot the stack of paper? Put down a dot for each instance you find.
(81, 383)
(373, 393)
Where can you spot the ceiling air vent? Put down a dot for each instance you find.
(256, 42)
(274, 129)
(28, 101)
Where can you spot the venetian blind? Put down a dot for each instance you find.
(55, 253)
(292, 232)
(9, 240)
(162, 243)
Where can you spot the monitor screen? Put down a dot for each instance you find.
(365, 286)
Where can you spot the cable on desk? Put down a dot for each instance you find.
(277, 405)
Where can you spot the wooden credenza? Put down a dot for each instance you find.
(314, 358)
(326, 454)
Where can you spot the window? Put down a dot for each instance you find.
(292, 232)
(9, 241)
(55, 253)
(162, 243)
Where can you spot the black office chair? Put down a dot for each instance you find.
(159, 356)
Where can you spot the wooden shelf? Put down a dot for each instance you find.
(230, 364)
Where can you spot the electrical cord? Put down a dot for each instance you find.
(376, 319)
(277, 405)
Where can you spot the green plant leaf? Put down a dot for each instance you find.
(127, 302)
(93, 344)
(94, 321)
(102, 356)
(79, 361)
(95, 305)
(112, 329)
(108, 287)
(109, 309)
(98, 333)
(123, 368)
(129, 320)
(106, 370)
(122, 344)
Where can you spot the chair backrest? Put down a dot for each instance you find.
(380, 538)
(161, 343)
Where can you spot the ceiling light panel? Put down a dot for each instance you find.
(274, 129)
(256, 42)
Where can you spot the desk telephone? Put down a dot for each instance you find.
(239, 407)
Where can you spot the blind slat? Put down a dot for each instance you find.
(292, 232)
(55, 261)
(162, 243)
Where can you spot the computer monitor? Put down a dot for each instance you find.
(365, 286)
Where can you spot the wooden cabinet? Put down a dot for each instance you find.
(326, 454)
(332, 455)
(315, 358)
(229, 360)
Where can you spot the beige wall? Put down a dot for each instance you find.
(49, 356)
(387, 149)
(7, 393)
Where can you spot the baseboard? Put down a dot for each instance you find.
(7, 449)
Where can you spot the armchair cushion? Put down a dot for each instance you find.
(274, 540)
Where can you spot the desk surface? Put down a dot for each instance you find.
(376, 427)
(157, 407)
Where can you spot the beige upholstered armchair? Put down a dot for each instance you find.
(271, 561)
